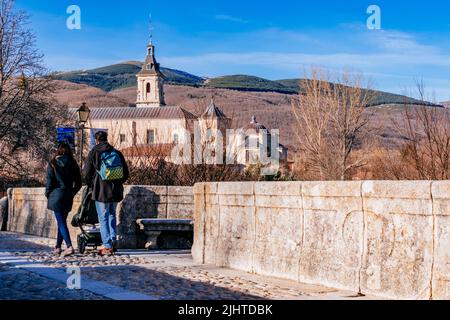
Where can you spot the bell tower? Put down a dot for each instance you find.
(150, 82)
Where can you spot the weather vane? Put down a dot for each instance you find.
(151, 28)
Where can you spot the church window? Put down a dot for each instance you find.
(251, 142)
(148, 88)
(151, 136)
(123, 138)
(134, 133)
(247, 142)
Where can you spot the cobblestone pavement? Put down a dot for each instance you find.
(160, 275)
(17, 284)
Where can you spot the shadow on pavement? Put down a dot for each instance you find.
(155, 282)
(162, 285)
(19, 245)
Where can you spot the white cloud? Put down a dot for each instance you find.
(392, 58)
(391, 40)
(226, 17)
(274, 36)
(390, 71)
(289, 60)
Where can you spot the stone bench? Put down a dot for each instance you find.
(181, 230)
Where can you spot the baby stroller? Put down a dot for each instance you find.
(87, 220)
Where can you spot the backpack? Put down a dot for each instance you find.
(111, 167)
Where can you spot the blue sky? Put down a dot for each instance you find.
(275, 40)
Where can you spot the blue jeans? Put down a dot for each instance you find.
(108, 223)
(63, 230)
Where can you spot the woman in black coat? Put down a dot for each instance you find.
(63, 183)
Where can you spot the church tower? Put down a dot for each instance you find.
(150, 87)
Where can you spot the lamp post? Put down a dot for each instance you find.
(83, 114)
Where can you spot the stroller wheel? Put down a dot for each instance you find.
(81, 245)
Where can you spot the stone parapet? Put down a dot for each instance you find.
(384, 238)
(27, 211)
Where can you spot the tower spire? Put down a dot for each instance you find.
(150, 29)
(150, 78)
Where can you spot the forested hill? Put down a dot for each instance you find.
(123, 75)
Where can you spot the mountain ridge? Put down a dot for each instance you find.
(123, 75)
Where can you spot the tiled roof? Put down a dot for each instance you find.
(138, 113)
(213, 112)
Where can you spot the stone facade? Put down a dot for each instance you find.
(28, 211)
(389, 239)
(124, 133)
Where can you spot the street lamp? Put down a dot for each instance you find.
(83, 114)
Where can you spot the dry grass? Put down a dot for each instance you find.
(72, 95)
(274, 110)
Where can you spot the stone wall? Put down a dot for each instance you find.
(27, 211)
(3, 213)
(390, 239)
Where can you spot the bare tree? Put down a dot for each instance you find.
(426, 146)
(331, 120)
(152, 165)
(27, 109)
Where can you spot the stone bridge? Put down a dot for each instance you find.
(387, 239)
